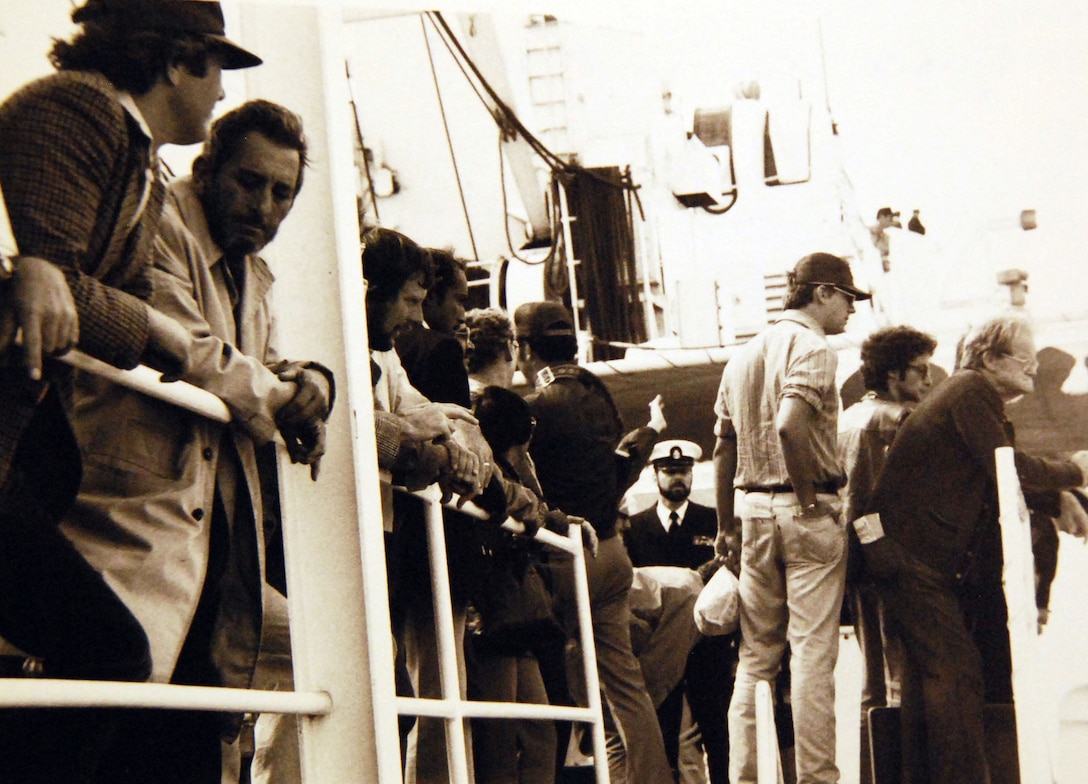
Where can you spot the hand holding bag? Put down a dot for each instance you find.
(717, 610)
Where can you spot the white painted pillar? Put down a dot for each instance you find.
(339, 618)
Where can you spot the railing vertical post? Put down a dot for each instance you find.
(448, 672)
(1033, 745)
(589, 656)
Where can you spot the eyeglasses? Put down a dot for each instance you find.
(1024, 362)
(850, 296)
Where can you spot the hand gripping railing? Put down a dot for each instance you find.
(52, 693)
(451, 707)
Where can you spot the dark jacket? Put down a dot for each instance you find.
(937, 494)
(574, 446)
(648, 544)
(435, 364)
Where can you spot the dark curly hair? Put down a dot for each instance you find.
(132, 59)
(490, 331)
(446, 267)
(278, 124)
(891, 350)
(505, 418)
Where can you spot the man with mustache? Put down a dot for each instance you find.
(171, 509)
(680, 533)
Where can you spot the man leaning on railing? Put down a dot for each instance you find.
(185, 492)
(78, 165)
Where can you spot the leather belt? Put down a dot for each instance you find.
(830, 487)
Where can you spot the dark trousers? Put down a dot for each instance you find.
(708, 686)
(957, 659)
(56, 607)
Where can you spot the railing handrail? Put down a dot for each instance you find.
(54, 693)
(143, 379)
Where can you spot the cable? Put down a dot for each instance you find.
(506, 220)
(507, 119)
(449, 140)
(362, 145)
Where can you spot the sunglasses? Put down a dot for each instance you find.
(851, 297)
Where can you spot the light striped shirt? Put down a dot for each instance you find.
(791, 358)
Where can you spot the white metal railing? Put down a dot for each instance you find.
(54, 693)
(1033, 743)
(451, 707)
(768, 759)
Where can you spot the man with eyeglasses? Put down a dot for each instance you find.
(933, 542)
(777, 469)
(895, 371)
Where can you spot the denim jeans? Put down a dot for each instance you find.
(793, 573)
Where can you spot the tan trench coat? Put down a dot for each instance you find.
(144, 512)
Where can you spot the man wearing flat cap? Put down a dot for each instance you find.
(79, 172)
(585, 463)
(776, 459)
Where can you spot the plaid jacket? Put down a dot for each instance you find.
(73, 168)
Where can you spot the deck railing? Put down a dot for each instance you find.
(53, 693)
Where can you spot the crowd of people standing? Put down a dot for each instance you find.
(140, 542)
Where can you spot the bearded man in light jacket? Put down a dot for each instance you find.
(170, 510)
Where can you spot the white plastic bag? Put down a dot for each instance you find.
(717, 610)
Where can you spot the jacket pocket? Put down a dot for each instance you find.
(139, 447)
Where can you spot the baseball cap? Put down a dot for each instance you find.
(201, 17)
(675, 452)
(543, 319)
(827, 270)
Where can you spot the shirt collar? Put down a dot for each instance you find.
(663, 513)
(802, 318)
(128, 103)
(192, 215)
(183, 194)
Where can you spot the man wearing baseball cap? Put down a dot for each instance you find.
(79, 172)
(585, 463)
(777, 428)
